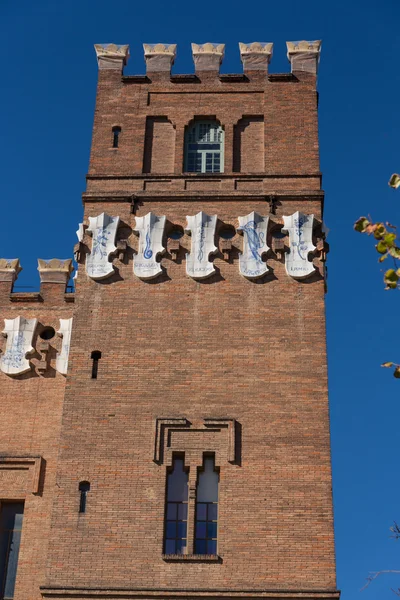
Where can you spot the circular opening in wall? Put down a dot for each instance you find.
(227, 232)
(47, 333)
(176, 233)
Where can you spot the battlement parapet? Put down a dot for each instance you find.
(255, 56)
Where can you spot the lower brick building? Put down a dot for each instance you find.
(165, 428)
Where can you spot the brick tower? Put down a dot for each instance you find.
(165, 429)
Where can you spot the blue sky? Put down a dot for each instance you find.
(49, 78)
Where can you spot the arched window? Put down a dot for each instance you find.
(207, 508)
(176, 508)
(204, 147)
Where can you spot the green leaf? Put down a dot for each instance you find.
(391, 278)
(395, 252)
(387, 364)
(382, 258)
(394, 181)
(380, 231)
(361, 224)
(396, 372)
(381, 247)
(389, 239)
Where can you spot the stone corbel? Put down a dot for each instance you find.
(304, 56)
(208, 57)
(78, 246)
(159, 57)
(103, 230)
(226, 248)
(322, 248)
(299, 227)
(111, 56)
(278, 247)
(173, 248)
(19, 333)
(122, 246)
(256, 56)
(43, 348)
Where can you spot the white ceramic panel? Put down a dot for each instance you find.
(151, 231)
(254, 228)
(62, 357)
(300, 229)
(202, 231)
(19, 332)
(79, 233)
(103, 229)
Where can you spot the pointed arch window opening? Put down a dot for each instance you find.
(204, 148)
(176, 510)
(206, 532)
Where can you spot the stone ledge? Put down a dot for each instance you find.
(201, 176)
(72, 592)
(192, 558)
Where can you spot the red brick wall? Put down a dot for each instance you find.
(172, 347)
(31, 410)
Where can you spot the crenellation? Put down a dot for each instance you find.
(159, 58)
(111, 56)
(304, 56)
(256, 56)
(207, 57)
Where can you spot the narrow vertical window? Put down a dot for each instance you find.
(95, 356)
(11, 515)
(204, 148)
(116, 133)
(84, 487)
(176, 508)
(207, 508)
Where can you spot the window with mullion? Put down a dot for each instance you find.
(204, 148)
(206, 532)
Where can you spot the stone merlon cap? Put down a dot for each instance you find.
(256, 55)
(55, 270)
(304, 55)
(159, 57)
(208, 56)
(111, 56)
(9, 269)
(165, 49)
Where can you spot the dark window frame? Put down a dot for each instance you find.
(206, 516)
(176, 514)
(10, 537)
